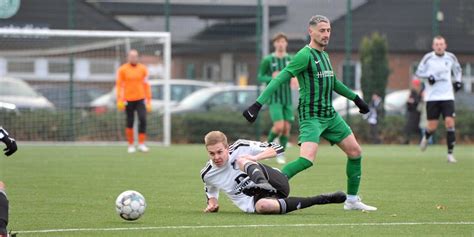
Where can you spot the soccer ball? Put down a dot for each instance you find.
(130, 205)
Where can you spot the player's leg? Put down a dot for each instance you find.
(351, 147)
(289, 204)
(449, 123)
(141, 111)
(130, 116)
(257, 175)
(3, 210)
(433, 111)
(276, 116)
(288, 118)
(310, 131)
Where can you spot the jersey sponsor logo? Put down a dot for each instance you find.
(326, 73)
(274, 64)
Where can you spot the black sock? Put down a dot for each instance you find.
(451, 139)
(3, 213)
(255, 173)
(290, 204)
(428, 134)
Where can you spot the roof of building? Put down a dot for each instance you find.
(53, 14)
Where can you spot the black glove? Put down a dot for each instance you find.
(251, 112)
(457, 86)
(9, 142)
(431, 80)
(363, 107)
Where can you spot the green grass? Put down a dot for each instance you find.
(64, 187)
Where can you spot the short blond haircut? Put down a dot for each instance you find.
(215, 137)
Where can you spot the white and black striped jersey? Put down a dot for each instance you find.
(441, 68)
(229, 178)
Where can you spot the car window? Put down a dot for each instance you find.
(223, 99)
(178, 92)
(246, 97)
(13, 88)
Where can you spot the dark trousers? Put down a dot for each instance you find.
(139, 106)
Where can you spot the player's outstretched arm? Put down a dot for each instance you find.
(251, 112)
(343, 90)
(212, 205)
(9, 142)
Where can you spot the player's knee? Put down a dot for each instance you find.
(266, 206)
(241, 162)
(354, 151)
(2, 185)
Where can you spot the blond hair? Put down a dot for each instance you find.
(215, 137)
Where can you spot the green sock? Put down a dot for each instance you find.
(353, 172)
(283, 141)
(271, 136)
(296, 166)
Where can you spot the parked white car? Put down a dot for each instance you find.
(14, 91)
(180, 88)
(394, 103)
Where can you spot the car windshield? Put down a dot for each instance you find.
(178, 92)
(196, 98)
(16, 88)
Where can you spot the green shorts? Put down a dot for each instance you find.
(280, 112)
(332, 129)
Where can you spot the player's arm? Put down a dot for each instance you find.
(264, 73)
(119, 89)
(343, 90)
(257, 151)
(422, 71)
(8, 141)
(297, 65)
(212, 194)
(457, 73)
(147, 87)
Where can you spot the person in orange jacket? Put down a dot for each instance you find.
(134, 94)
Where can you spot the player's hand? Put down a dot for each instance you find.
(148, 107)
(431, 80)
(457, 86)
(9, 142)
(363, 107)
(251, 112)
(212, 208)
(121, 105)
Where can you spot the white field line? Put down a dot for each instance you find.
(241, 226)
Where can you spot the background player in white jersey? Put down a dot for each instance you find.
(9, 150)
(252, 186)
(437, 67)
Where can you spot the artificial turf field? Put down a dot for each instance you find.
(71, 190)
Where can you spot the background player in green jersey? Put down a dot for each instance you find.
(312, 67)
(280, 103)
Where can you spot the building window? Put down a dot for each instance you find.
(211, 72)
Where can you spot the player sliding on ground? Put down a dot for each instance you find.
(252, 186)
(317, 80)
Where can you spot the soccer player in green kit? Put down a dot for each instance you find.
(280, 103)
(312, 67)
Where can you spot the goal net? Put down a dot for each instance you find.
(57, 85)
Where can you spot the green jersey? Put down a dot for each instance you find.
(317, 80)
(270, 64)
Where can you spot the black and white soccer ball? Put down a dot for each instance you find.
(130, 205)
